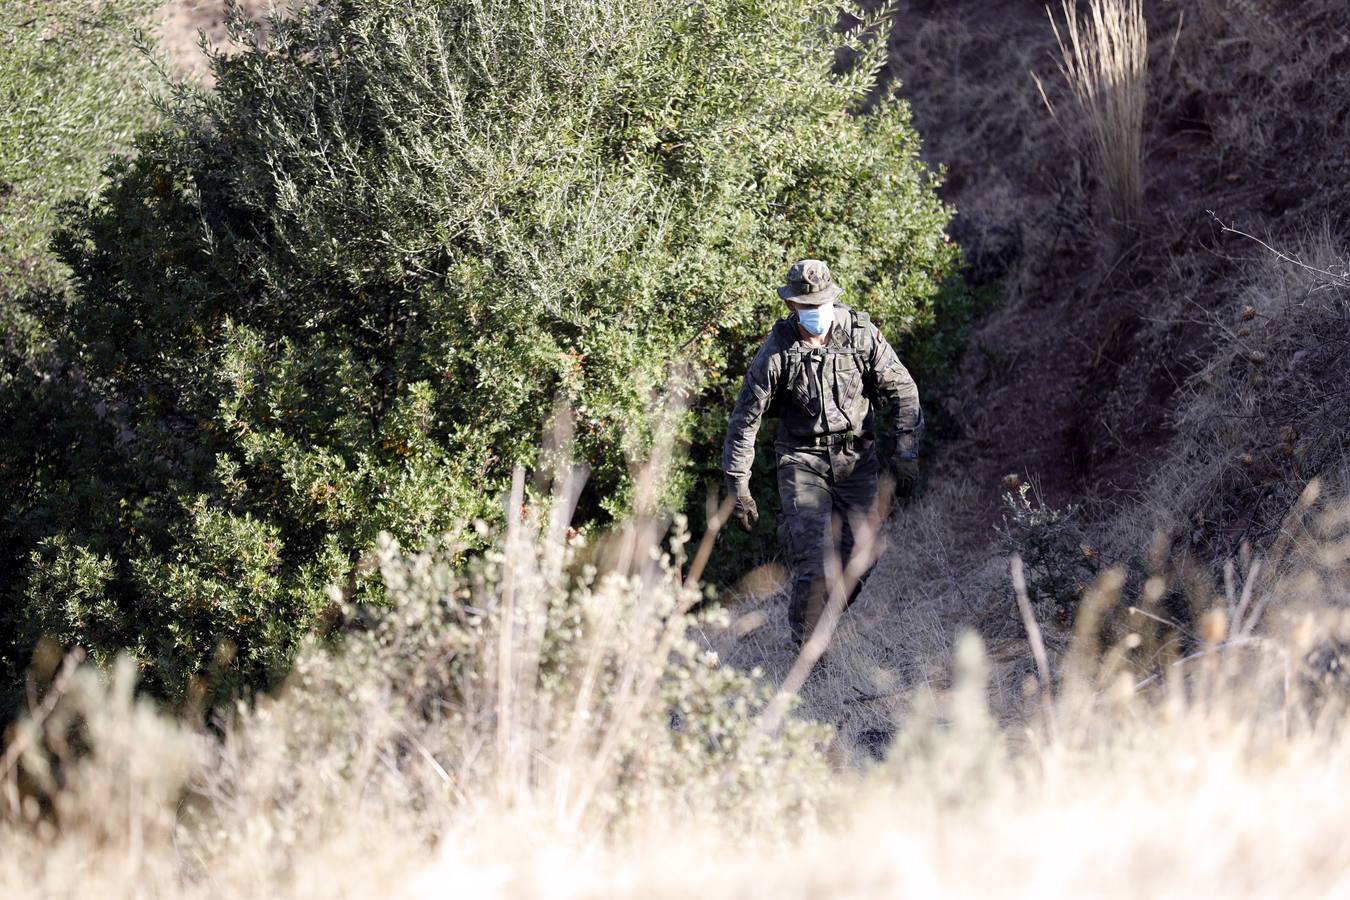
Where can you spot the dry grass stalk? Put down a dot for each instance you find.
(1045, 686)
(1105, 62)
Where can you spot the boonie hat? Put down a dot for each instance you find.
(809, 283)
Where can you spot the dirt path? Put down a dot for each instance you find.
(181, 21)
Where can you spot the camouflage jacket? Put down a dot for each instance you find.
(818, 391)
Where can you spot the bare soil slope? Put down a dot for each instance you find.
(1074, 382)
(182, 23)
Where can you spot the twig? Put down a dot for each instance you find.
(1339, 280)
(868, 698)
(10, 761)
(1038, 653)
(1228, 645)
(1172, 51)
(1243, 627)
(705, 546)
(1134, 610)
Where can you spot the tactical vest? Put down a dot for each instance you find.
(843, 377)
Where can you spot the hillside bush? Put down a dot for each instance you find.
(341, 293)
(1053, 544)
(72, 90)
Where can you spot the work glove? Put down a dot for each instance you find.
(746, 513)
(906, 473)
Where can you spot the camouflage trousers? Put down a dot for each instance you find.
(826, 493)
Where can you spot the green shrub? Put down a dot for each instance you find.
(1060, 563)
(340, 294)
(71, 92)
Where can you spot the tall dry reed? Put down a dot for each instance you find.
(1104, 59)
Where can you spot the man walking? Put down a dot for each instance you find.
(821, 371)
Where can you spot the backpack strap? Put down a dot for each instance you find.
(862, 333)
(786, 357)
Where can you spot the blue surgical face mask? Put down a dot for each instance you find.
(816, 319)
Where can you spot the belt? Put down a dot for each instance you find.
(836, 439)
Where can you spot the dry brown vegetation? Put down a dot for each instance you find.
(444, 752)
(1178, 405)
(1105, 64)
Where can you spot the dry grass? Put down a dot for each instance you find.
(1222, 776)
(1105, 62)
(541, 728)
(894, 644)
(1264, 415)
